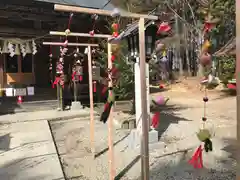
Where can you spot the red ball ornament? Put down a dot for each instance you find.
(115, 34)
(205, 59)
(91, 33)
(115, 27)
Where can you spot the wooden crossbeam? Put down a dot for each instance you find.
(57, 33)
(69, 44)
(59, 7)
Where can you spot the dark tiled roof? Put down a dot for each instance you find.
(83, 3)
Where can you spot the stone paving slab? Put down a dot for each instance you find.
(43, 115)
(29, 152)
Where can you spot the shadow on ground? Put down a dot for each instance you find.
(223, 168)
(5, 142)
(167, 117)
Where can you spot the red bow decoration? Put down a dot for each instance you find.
(196, 160)
(163, 27)
(155, 120)
(79, 76)
(58, 80)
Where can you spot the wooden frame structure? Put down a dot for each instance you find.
(145, 128)
(89, 68)
(105, 36)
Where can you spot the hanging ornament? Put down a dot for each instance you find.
(94, 17)
(28, 49)
(67, 32)
(23, 49)
(34, 47)
(205, 59)
(17, 50)
(91, 33)
(86, 51)
(204, 135)
(115, 29)
(163, 28)
(155, 120)
(5, 47)
(206, 46)
(11, 49)
(108, 106)
(113, 58)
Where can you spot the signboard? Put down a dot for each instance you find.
(96, 73)
(20, 92)
(9, 92)
(30, 91)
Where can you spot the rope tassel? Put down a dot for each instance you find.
(196, 160)
(155, 120)
(106, 112)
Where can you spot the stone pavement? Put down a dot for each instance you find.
(27, 149)
(29, 152)
(43, 115)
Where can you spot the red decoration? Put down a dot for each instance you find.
(196, 160)
(94, 86)
(92, 33)
(58, 80)
(80, 78)
(161, 86)
(155, 120)
(19, 99)
(113, 58)
(115, 34)
(104, 90)
(115, 27)
(208, 26)
(232, 86)
(163, 27)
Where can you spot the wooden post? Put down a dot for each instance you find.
(238, 81)
(145, 153)
(112, 172)
(145, 117)
(91, 100)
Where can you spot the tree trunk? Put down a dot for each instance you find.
(177, 47)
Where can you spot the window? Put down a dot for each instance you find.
(26, 63)
(11, 64)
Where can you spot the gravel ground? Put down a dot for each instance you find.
(168, 158)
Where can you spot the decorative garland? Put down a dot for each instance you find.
(204, 134)
(110, 73)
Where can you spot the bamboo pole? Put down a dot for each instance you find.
(238, 81)
(58, 33)
(145, 117)
(69, 44)
(58, 7)
(91, 100)
(112, 172)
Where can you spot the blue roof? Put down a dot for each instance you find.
(98, 4)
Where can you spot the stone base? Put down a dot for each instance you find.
(76, 105)
(135, 138)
